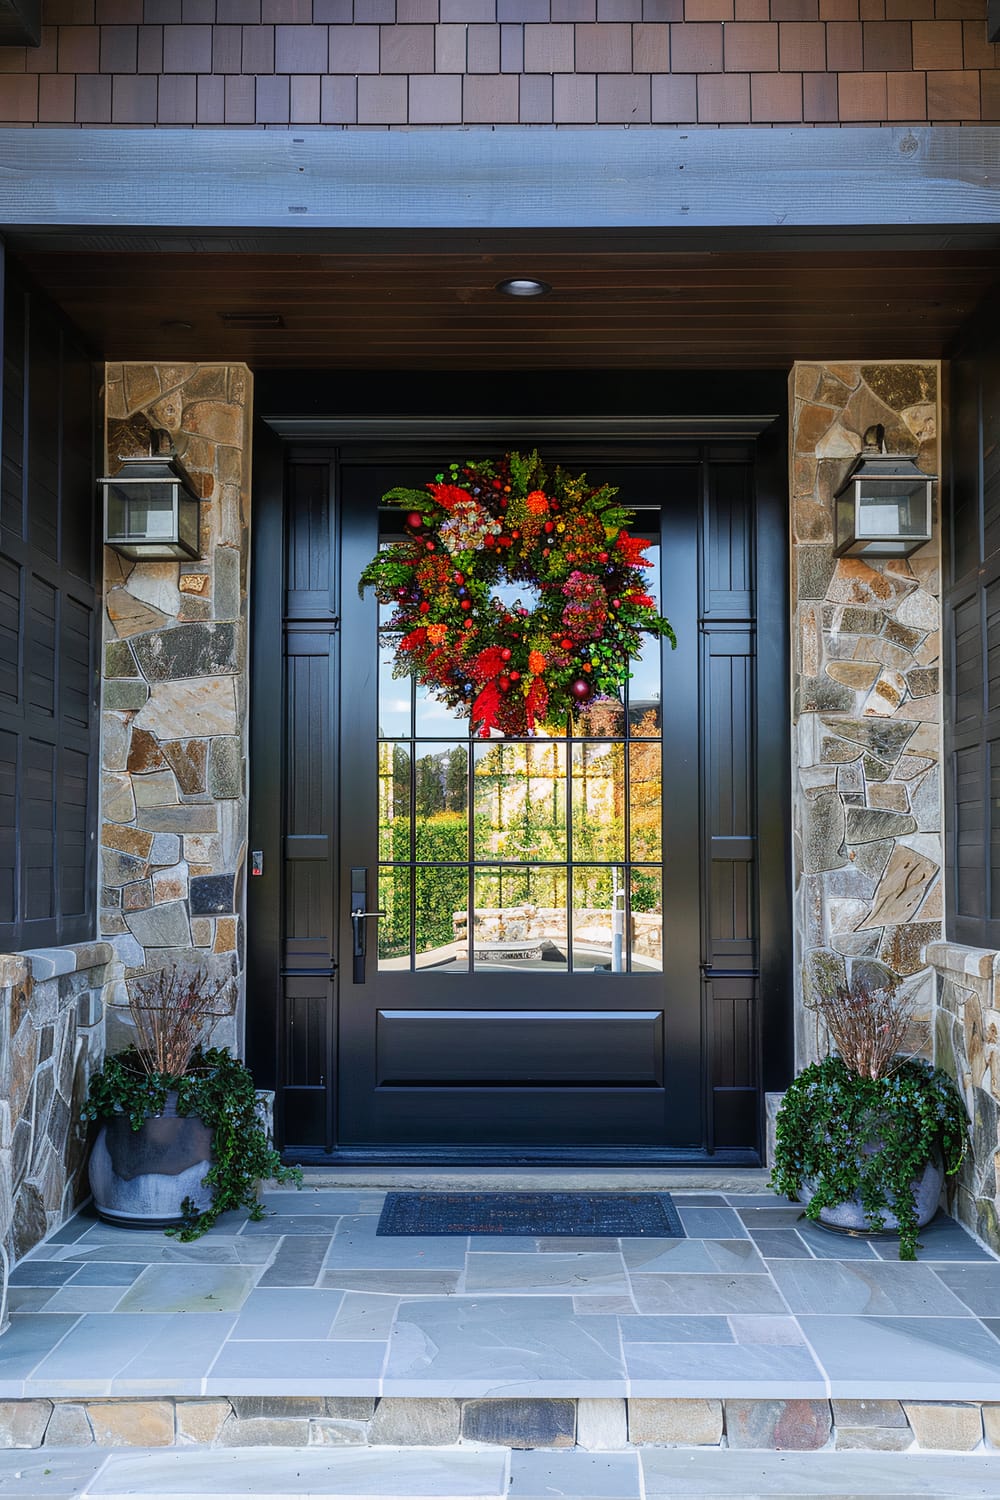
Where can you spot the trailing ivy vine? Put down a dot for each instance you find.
(868, 1139)
(219, 1089)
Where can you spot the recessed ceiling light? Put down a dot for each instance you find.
(523, 286)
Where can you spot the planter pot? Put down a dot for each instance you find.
(851, 1216)
(140, 1178)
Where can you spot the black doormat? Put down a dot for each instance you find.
(616, 1215)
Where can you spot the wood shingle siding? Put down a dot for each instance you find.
(278, 63)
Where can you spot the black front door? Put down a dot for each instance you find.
(567, 958)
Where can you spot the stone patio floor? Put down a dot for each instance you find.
(493, 1474)
(754, 1303)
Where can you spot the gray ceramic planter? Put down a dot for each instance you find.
(927, 1189)
(140, 1178)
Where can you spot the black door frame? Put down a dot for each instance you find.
(293, 409)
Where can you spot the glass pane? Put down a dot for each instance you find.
(436, 718)
(393, 801)
(394, 694)
(646, 800)
(644, 713)
(602, 720)
(598, 800)
(441, 801)
(442, 918)
(520, 919)
(393, 897)
(646, 927)
(520, 792)
(599, 919)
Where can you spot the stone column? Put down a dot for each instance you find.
(866, 707)
(174, 722)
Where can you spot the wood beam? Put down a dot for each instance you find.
(909, 178)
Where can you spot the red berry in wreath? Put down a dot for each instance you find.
(566, 643)
(424, 607)
(602, 557)
(515, 676)
(505, 654)
(414, 520)
(466, 603)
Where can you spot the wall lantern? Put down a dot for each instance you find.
(883, 508)
(151, 508)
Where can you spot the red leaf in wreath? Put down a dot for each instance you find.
(448, 495)
(536, 702)
(485, 708)
(414, 640)
(488, 663)
(632, 549)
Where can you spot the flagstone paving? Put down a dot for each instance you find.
(754, 1303)
(492, 1474)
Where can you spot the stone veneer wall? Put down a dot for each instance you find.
(967, 1044)
(51, 1039)
(866, 700)
(174, 720)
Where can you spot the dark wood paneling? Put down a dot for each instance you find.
(433, 310)
(49, 629)
(971, 640)
(534, 1049)
(728, 760)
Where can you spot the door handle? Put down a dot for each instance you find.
(357, 917)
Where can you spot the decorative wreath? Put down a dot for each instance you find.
(512, 667)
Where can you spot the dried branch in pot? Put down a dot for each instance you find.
(174, 1012)
(873, 1027)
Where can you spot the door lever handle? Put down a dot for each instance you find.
(359, 931)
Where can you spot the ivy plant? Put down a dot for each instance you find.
(868, 1140)
(219, 1089)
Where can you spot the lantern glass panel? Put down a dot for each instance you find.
(189, 521)
(153, 517)
(892, 508)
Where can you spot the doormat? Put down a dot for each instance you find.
(616, 1215)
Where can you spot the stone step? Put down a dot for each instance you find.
(587, 1424)
(489, 1474)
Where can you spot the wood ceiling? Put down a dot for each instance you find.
(433, 310)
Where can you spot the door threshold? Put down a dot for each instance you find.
(540, 1179)
(707, 1176)
(516, 1158)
